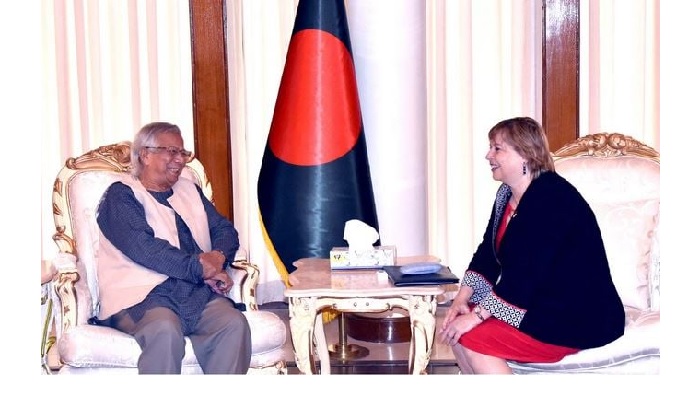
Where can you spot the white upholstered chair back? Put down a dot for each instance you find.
(620, 178)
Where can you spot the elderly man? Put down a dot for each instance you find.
(163, 251)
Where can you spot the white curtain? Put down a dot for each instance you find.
(433, 76)
(391, 70)
(109, 67)
(483, 67)
(258, 34)
(620, 56)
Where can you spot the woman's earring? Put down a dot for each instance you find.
(524, 169)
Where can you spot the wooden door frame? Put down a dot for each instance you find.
(560, 71)
(212, 141)
(210, 104)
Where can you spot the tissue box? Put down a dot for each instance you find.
(343, 258)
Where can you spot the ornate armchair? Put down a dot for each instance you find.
(619, 177)
(86, 348)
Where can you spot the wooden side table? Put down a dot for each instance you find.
(315, 287)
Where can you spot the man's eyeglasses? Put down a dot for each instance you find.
(172, 151)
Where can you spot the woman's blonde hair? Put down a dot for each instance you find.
(528, 139)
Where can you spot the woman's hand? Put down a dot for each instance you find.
(451, 331)
(455, 310)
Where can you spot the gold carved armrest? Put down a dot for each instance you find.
(248, 283)
(64, 289)
(64, 286)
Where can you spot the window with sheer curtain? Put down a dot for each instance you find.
(433, 77)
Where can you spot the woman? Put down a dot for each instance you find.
(538, 287)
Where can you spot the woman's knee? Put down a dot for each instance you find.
(465, 354)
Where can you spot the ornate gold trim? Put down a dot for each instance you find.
(606, 145)
(249, 283)
(64, 286)
(115, 157)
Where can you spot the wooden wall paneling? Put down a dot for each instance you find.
(560, 71)
(212, 141)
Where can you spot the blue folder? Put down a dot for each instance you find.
(442, 277)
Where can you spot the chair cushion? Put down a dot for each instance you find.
(624, 193)
(638, 351)
(98, 346)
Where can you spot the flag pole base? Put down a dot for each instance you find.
(347, 352)
(342, 350)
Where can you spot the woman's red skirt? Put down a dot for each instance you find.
(496, 338)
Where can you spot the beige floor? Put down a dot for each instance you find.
(382, 358)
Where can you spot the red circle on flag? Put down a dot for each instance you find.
(317, 115)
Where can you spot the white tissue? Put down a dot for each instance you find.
(360, 236)
(361, 252)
